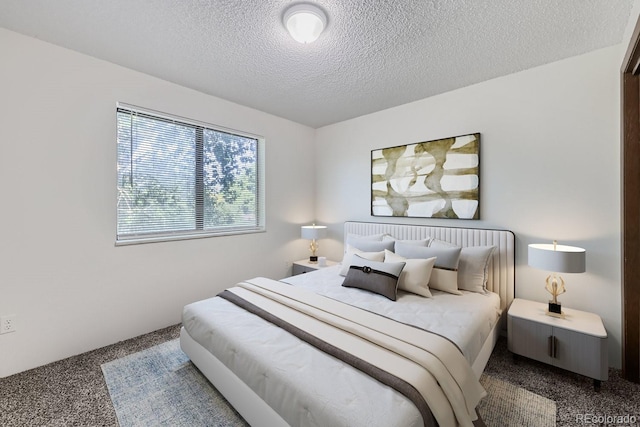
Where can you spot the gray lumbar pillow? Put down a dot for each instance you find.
(378, 277)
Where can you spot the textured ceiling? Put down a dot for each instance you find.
(374, 54)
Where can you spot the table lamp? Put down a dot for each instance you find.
(313, 233)
(556, 259)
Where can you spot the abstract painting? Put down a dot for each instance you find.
(430, 179)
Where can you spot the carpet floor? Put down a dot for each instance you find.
(72, 392)
(161, 387)
(509, 405)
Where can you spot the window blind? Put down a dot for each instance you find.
(179, 178)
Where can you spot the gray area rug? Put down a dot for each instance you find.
(509, 405)
(161, 387)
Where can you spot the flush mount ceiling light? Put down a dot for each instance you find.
(305, 22)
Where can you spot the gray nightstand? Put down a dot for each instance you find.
(577, 343)
(304, 266)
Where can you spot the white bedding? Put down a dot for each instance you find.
(264, 356)
(291, 375)
(465, 319)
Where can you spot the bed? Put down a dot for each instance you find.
(275, 378)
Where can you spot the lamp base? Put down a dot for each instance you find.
(555, 310)
(313, 259)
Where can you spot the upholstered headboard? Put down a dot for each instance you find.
(501, 277)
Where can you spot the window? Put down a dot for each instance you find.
(179, 179)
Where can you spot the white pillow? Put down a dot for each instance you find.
(444, 275)
(374, 237)
(437, 243)
(417, 242)
(415, 276)
(357, 240)
(351, 251)
(444, 280)
(473, 268)
(371, 245)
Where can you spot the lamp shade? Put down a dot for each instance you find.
(557, 258)
(313, 232)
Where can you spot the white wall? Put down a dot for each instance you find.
(60, 272)
(549, 170)
(550, 166)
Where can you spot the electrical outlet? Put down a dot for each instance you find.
(8, 324)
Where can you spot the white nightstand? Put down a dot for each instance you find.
(577, 343)
(304, 266)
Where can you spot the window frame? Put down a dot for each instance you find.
(199, 232)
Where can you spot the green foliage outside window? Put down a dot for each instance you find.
(176, 177)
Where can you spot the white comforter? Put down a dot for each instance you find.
(310, 388)
(465, 319)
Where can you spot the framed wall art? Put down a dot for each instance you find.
(430, 179)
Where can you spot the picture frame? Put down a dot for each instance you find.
(431, 179)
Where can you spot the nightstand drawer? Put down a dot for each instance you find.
(301, 269)
(529, 339)
(304, 266)
(582, 354)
